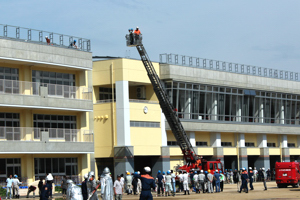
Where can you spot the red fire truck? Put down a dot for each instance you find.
(287, 173)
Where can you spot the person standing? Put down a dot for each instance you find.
(73, 191)
(9, 183)
(217, 180)
(107, 191)
(137, 34)
(159, 179)
(91, 186)
(185, 179)
(173, 182)
(239, 179)
(139, 186)
(84, 187)
(168, 184)
(245, 178)
(134, 184)
(210, 178)
(147, 183)
(180, 177)
(196, 182)
(40, 186)
(222, 179)
(44, 192)
(251, 174)
(234, 176)
(64, 186)
(128, 180)
(264, 177)
(255, 174)
(202, 181)
(16, 188)
(118, 189)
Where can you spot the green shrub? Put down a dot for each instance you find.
(58, 189)
(2, 192)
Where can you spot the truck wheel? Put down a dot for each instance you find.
(279, 185)
(296, 186)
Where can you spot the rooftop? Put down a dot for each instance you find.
(38, 37)
(217, 65)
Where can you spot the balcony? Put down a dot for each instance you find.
(33, 140)
(41, 95)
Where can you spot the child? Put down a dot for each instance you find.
(118, 188)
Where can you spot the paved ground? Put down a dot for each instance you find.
(230, 193)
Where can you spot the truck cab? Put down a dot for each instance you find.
(287, 173)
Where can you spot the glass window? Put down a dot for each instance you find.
(211, 166)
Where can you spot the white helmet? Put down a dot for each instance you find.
(201, 171)
(86, 176)
(243, 168)
(138, 172)
(137, 27)
(46, 36)
(147, 169)
(216, 171)
(49, 177)
(69, 181)
(250, 167)
(106, 170)
(263, 169)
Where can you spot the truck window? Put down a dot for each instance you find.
(211, 166)
(215, 166)
(219, 166)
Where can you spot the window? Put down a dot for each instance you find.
(249, 144)
(201, 144)
(291, 145)
(211, 166)
(9, 73)
(271, 145)
(172, 143)
(226, 144)
(53, 78)
(10, 166)
(144, 124)
(250, 92)
(106, 93)
(9, 119)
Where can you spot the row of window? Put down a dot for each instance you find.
(144, 124)
(229, 144)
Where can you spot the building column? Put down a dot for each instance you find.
(29, 164)
(264, 158)
(239, 110)
(215, 141)
(261, 113)
(123, 152)
(281, 114)
(163, 162)
(187, 106)
(285, 151)
(243, 157)
(192, 138)
(164, 138)
(214, 110)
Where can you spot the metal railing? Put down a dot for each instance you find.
(210, 64)
(54, 90)
(38, 37)
(130, 100)
(55, 135)
(105, 101)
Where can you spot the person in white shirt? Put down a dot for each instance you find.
(185, 179)
(255, 172)
(196, 182)
(168, 183)
(180, 177)
(122, 181)
(118, 188)
(16, 187)
(210, 178)
(173, 182)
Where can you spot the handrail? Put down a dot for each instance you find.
(38, 37)
(211, 64)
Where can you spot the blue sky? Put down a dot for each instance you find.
(258, 32)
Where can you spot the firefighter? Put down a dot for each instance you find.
(147, 183)
(251, 178)
(196, 182)
(185, 178)
(245, 178)
(202, 181)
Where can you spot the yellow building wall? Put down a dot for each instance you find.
(176, 161)
(292, 139)
(251, 138)
(253, 151)
(175, 151)
(202, 137)
(274, 151)
(229, 151)
(103, 129)
(228, 137)
(205, 151)
(137, 112)
(170, 136)
(272, 138)
(146, 141)
(294, 151)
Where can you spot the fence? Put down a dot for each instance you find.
(227, 66)
(34, 134)
(54, 90)
(38, 37)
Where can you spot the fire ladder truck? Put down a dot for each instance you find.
(192, 160)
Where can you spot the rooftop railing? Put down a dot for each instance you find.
(38, 37)
(54, 90)
(227, 66)
(55, 135)
(130, 100)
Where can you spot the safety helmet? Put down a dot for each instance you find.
(16, 176)
(137, 27)
(138, 172)
(244, 169)
(159, 172)
(49, 177)
(216, 171)
(69, 181)
(164, 173)
(209, 171)
(168, 172)
(135, 173)
(220, 172)
(91, 173)
(74, 40)
(263, 169)
(46, 36)
(205, 172)
(250, 167)
(147, 169)
(201, 171)
(128, 173)
(86, 176)
(131, 29)
(106, 170)
(195, 172)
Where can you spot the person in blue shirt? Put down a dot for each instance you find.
(9, 182)
(217, 180)
(147, 183)
(159, 179)
(245, 178)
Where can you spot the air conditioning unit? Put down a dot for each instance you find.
(141, 92)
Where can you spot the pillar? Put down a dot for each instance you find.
(163, 162)
(264, 158)
(123, 159)
(281, 114)
(164, 138)
(214, 106)
(239, 109)
(122, 113)
(192, 138)
(29, 163)
(215, 141)
(285, 151)
(261, 113)
(243, 157)
(188, 105)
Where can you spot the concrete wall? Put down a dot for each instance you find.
(205, 76)
(44, 54)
